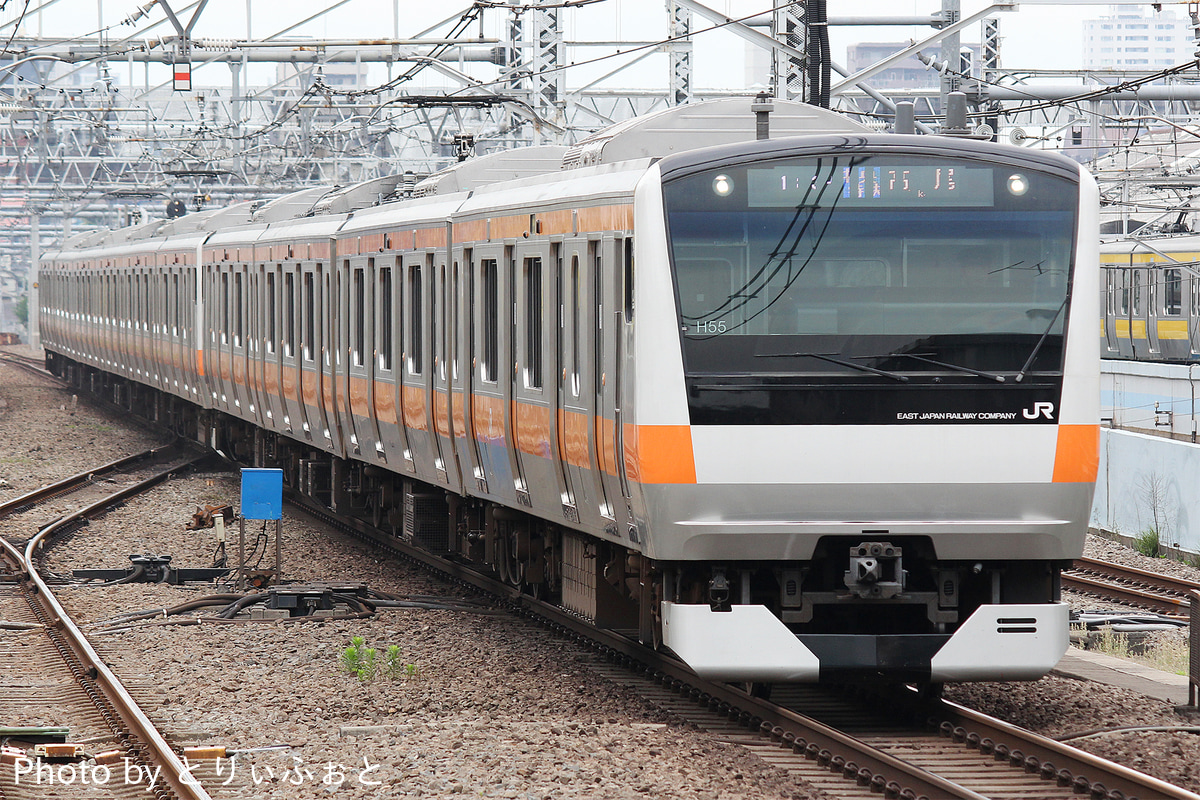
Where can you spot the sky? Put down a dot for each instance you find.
(1045, 35)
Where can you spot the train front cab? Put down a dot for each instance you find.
(877, 365)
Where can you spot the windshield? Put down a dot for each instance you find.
(905, 265)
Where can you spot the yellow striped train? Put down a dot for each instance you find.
(816, 407)
(1150, 295)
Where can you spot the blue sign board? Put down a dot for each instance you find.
(262, 494)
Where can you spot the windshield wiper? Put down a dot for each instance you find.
(956, 367)
(822, 357)
(1029, 361)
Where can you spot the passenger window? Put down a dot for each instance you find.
(577, 300)
(271, 307)
(310, 315)
(1173, 291)
(224, 308)
(533, 323)
(360, 309)
(238, 309)
(385, 318)
(490, 314)
(289, 314)
(415, 339)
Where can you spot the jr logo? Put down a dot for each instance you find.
(1039, 410)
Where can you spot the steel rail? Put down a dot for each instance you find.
(867, 765)
(44, 493)
(27, 363)
(839, 752)
(89, 669)
(1130, 585)
(1054, 760)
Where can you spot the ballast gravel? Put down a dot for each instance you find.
(477, 704)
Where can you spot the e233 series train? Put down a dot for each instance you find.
(1150, 296)
(817, 407)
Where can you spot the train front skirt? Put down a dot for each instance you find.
(749, 643)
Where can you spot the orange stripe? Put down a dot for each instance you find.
(430, 237)
(659, 454)
(458, 408)
(1077, 457)
(413, 398)
(471, 231)
(487, 415)
(573, 433)
(385, 403)
(533, 429)
(441, 412)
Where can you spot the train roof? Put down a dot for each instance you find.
(626, 147)
(1149, 245)
(504, 165)
(698, 125)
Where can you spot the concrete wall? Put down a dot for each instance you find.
(1141, 474)
(1152, 397)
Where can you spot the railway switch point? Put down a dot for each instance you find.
(150, 568)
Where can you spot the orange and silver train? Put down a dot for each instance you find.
(822, 406)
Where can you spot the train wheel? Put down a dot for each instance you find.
(378, 512)
(759, 690)
(930, 691)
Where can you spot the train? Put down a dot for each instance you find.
(814, 406)
(1150, 297)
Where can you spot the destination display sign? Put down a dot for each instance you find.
(894, 185)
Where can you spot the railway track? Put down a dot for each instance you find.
(1108, 581)
(851, 746)
(27, 363)
(128, 473)
(49, 672)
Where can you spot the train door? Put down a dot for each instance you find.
(531, 409)
(334, 346)
(442, 339)
(254, 343)
(133, 363)
(1192, 298)
(275, 406)
(158, 318)
(291, 377)
(1125, 314)
(1151, 277)
(464, 367)
(239, 346)
(577, 396)
(206, 341)
(372, 348)
(311, 351)
(509, 380)
(359, 381)
(416, 409)
(490, 304)
(626, 272)
(386, 406)
(606, 271)
(1111, 294)
(171, 360)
